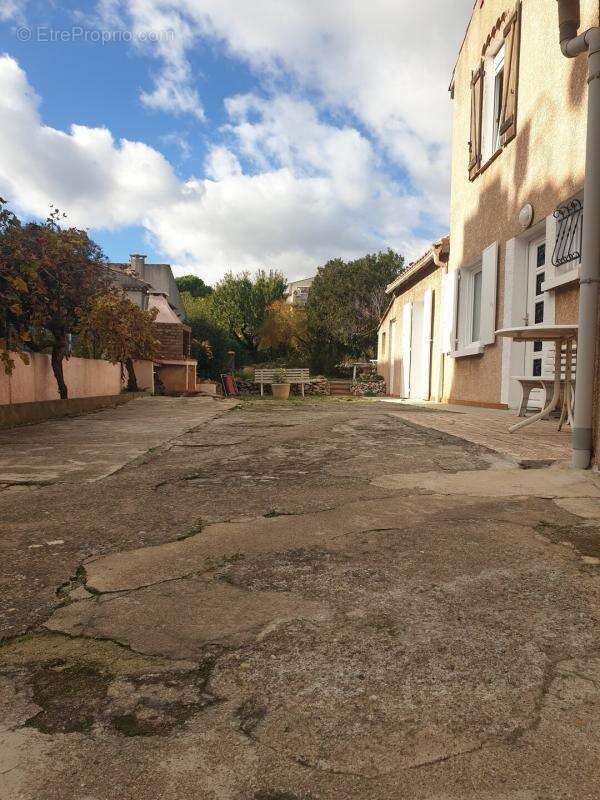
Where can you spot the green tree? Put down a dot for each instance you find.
(239, 304)
(193, 285)
(64, 270)
(19, 283)
(345, 304)
(212, 360)
(284, 328)
(72, 271)
(120, 330)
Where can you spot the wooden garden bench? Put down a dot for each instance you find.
(300, 376)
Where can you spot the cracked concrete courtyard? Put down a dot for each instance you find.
(298, 601)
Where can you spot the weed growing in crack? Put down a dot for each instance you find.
(78, 579)
(193, 531)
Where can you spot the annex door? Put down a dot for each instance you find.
(420, 357)
(416, 354)
(392, 356)
(406, 349)
(426, 344)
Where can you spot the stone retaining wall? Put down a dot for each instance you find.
(368, 388)
(318, 387)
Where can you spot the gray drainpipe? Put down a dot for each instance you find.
(574, 45)
(437, 261)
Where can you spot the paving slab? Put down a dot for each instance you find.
(541, 442)
(558, 482)
(93, 446)
(206, 550)
(588, 507)
(186, 615)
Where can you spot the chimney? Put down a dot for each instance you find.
(137, 262)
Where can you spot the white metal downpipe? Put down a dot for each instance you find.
(572, 45)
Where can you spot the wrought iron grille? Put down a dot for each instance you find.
(568, 236)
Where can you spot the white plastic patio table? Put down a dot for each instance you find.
(559, 334)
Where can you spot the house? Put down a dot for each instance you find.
(518, 162)
(152, 286)
(296, 292)
(410, 344)
(157, 276)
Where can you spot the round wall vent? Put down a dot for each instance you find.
(526, 216)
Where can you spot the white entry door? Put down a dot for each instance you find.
(392, 357)
(420, 351)
(536, 314)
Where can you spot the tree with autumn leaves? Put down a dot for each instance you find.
(18, 288)
(51, 282)
(121, 330)
(284, 328)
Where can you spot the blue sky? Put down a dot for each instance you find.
(219, 134)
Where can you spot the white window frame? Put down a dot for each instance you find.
(466, 345)
(492, 102)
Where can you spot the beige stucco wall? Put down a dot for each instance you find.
(543, 165)
(35, 382)
(567, 304)
(144, 373)
(413, 294)
(178, 377)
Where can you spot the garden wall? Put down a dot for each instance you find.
(35, 382)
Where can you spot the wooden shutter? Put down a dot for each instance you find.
(476, 119)
(406, 348)
(426, 344)
(510, 90)
(489, 281)
(448, 314)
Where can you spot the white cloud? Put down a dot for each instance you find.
(102, 183)
(161, 30)
(316, 191)
(221, 164)
(289, 133)
(298, 174)
(180, 142)
(12, 10)
(173, 93)
(388, 62)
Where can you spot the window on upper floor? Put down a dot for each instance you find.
(383, 337)
(493, 87)
(494, 90)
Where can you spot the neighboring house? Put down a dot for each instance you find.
(158, 276)
(518, 156)
(153, 286)
(176, 368)
(137, 290)
(296, 292)
(410, 346)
